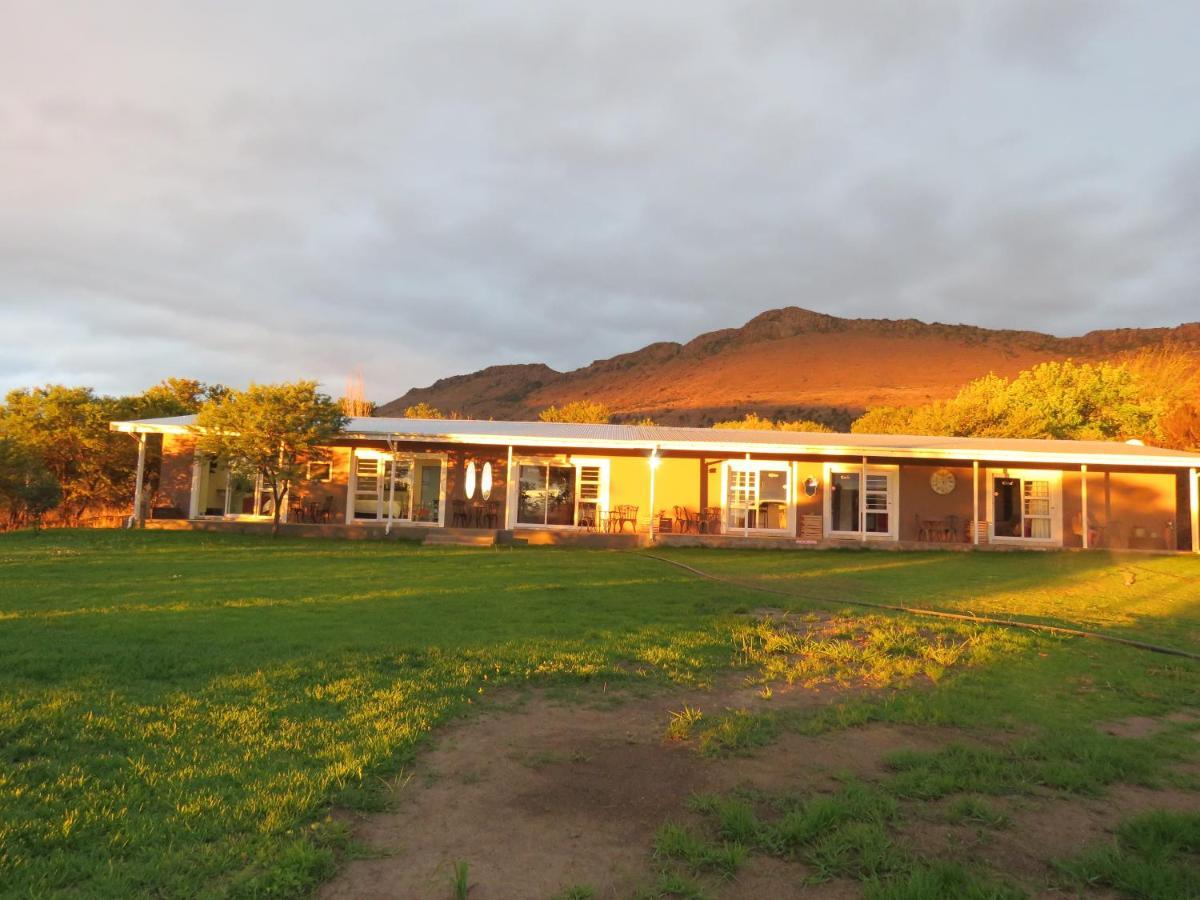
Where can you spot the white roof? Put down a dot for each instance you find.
(733, 442)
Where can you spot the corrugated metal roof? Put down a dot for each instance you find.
(735, 441)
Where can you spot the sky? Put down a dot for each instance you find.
(238, 191)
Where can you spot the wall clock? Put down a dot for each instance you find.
(942, 481)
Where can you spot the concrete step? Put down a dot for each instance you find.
(460, 539)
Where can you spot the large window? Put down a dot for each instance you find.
(222, 493)
(561, 493)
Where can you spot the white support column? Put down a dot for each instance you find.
(139, 515)
(391, 485)
(510, 496)
(1194, 503)
(746, 509)
(1083, 503)
(862, 502)
(653, 472)
(975, 502)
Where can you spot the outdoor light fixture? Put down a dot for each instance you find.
(485, 482)
(810, 486)
(469, 481)
(655, 460)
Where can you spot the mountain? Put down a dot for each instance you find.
(787, 362)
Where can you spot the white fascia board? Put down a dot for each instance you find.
(741, 449)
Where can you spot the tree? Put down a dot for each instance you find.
(173, 397)
(1061, 400)
(1181, 427)
(27, 488)
(67, 429)
(753, 421)
(355, 403)
(270, 431)
(423, 410)
(578, 411)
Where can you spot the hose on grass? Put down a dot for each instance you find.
(934, 613)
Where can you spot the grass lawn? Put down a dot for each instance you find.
(178, 711)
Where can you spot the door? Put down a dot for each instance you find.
(561, 494)
(757, 497)
(1024, 506)
(547, 494)
(861, 507)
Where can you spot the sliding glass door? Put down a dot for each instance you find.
(562, 494)
(858, 506)
(410, 487)
(547, 494)
(222, 493)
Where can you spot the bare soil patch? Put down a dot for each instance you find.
(550, 795)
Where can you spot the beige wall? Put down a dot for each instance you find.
(1131, 509)
(918, 500)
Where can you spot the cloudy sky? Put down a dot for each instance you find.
(267, 191)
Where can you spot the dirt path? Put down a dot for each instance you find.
(553, 795)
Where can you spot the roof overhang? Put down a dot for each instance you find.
(966, 452)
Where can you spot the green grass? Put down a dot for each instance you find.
(179, 711)
(1154, 857)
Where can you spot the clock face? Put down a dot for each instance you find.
(942, 481)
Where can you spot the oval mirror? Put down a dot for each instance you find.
(485, 485)
(469, 480)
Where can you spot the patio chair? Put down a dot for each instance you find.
(627, 513)
(458, 515)
(323, 513)
(954, 532)
(297, 510)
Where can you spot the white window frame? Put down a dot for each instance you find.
(759, 466)
(578, 462)
(893, 501)
(199, 462)
(1054, 477)
(328, 466)
(384, 455)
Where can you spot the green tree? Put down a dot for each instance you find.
(1061, 400)
(423, 410)
(67, 429)
(578, 411)
(27, 488)
(174, 397)
(753, 421)
(270, 430)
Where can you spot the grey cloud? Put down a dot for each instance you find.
(270, 192)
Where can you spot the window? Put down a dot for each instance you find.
(320, 470)
(561, 493)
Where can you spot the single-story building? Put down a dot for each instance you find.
(549, 482)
